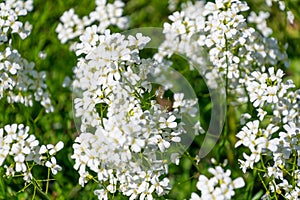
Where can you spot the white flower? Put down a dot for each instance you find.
(147, 191)
(261, 22)
(248, 163)
(4, 151)
(27, 177)
(178, 100)
(83, 179)
(160, 142)
(139, 41)
(244, 118)
(159, 185)
(18, 76)
(20, 165)
(19, 151)
(220, 186)
(56, 148)
(137, 144)
(281, 5)
(198, 128)
(238, 183)
(258, 98)
(9, 170)
(43, 149)
(105, 14)
(206, 185)
(53, 166)
(175, 158)
(169, 123)
(175, 137)
(11, 131)
(272, 98)
(117, 127)
(102, 194)
(195, 197)
(290, 17)
(132, 77)
(261, 113)
(248, 134)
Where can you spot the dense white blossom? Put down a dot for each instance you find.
(219, 186)
(17, 143)
(128, 130)
(11, 10)
(267, 90)
(220, 41)
(19, 81)
(124, 135)
(261, 22)
(104, 15)
(234, 48)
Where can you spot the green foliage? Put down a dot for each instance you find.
(59, 125)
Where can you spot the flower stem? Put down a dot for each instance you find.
(47, 183)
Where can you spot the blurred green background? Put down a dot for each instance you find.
(53, 127)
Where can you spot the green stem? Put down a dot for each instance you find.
(2, 184)
(275, 193)
(189, 179)
(226, 123)
(285, 22)
(192, 160)
(262, 163)
(25, 187)
(34, 193)
(262, 181)
(251, 186)
(47, 183)
(294, 169)
(39, 116)
(40, 190)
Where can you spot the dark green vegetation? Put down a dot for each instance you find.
(59, 125)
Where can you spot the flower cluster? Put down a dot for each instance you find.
(133, 121)
(179, 34)
(280, 139)
(266, 87)
(126, 134)
(20, 152)
(261, 22)
(19, 81)
(11, 10)
(105, 14)
(267, 90)
(234, 48)
(247, 58)
(220, 186)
